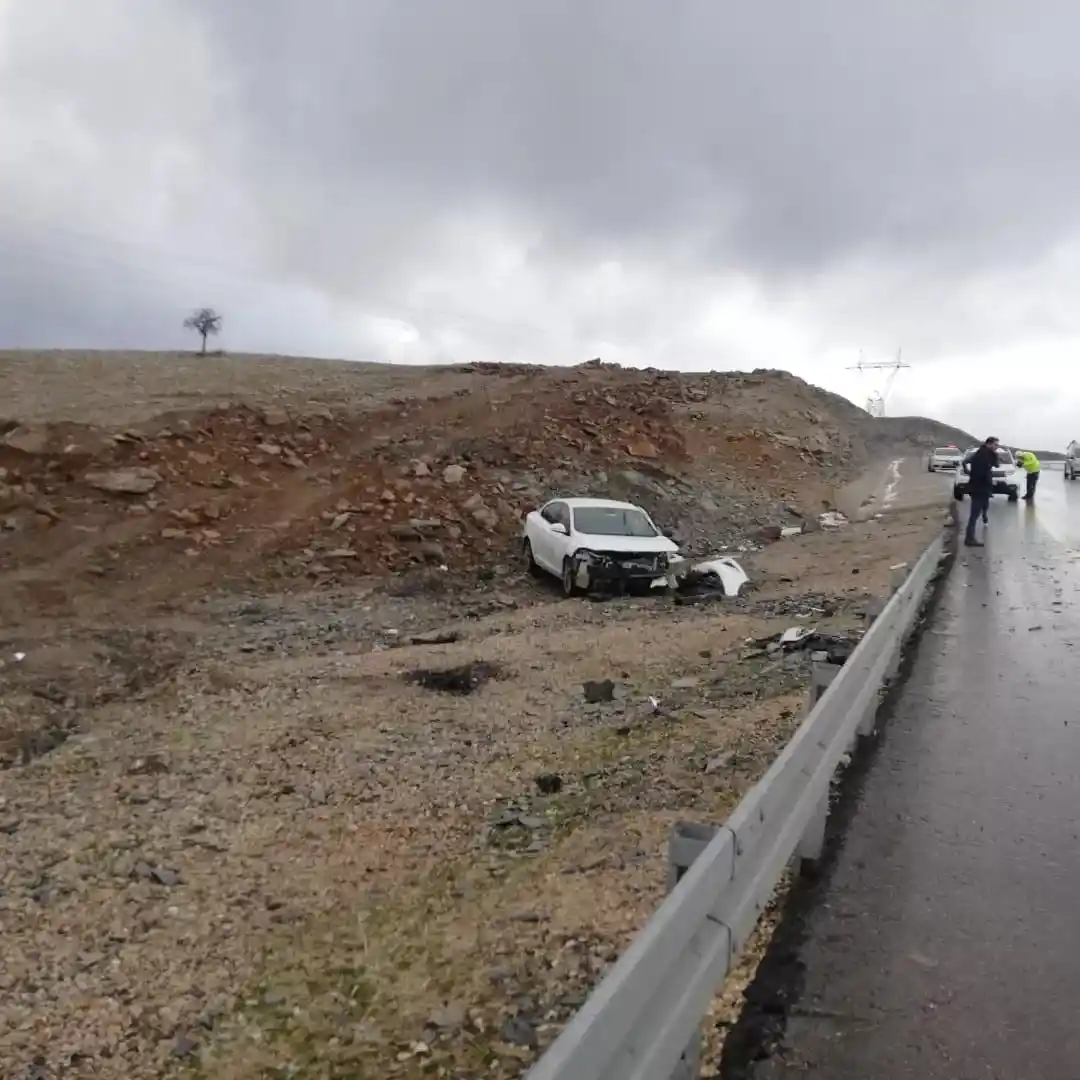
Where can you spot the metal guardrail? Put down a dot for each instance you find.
(643, 1021)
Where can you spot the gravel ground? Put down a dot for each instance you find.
(267, 850)
(287, 790)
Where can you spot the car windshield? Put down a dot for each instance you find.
(612, 521)
(946, 451)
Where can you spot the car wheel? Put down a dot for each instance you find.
(531, 565)
(569, 576)
(1014, 494)
(957, 494)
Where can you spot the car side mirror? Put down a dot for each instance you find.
(560, 528)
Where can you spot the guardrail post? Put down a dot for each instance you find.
(869, 718)
(895, 660)
(812, 843)
(898, 575)
(822, 674)
(688, 840)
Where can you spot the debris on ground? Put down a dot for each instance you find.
(794, 637)
(725, 572)
(549, 783)
(597, 692)
(712, 579)
(434, 637)
(464, 679)
(830, 648)
(832, 519)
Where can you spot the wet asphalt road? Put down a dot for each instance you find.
(947, 944)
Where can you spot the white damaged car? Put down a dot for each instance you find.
(596, 543)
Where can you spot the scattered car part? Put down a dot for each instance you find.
(794, 636)
(732, 576)
(832, 519)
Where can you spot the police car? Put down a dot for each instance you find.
(945, 458)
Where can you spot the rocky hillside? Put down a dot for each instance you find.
(141, 476)
(913, 433)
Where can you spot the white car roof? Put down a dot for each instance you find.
(578, 503)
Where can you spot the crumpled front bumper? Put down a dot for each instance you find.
(605, 570)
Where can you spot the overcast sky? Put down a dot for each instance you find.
(688, 184)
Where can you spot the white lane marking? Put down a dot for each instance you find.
(894, 482)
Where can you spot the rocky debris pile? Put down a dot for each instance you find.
(578, 425)
(396, 517)
(52, 472)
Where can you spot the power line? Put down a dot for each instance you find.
(875, 404)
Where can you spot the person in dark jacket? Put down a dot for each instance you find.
(980, 470)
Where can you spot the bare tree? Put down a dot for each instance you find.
(204, 322)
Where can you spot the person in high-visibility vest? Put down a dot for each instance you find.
(1030, 464)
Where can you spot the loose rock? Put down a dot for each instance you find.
(549, 783)
(135, 480)
(598, 692)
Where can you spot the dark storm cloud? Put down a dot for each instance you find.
(775, 137)
(832, 175)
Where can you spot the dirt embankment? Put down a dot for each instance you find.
(338, 474)
(244, 831)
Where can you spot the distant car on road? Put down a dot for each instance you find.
(589, 543)
(1072, 460)
(1007, 476)
(945, 458)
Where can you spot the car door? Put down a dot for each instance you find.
(561, 542)
(546, 550)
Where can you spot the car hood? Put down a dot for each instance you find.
(644, 545)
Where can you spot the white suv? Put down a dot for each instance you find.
(1008, 476)
(1072, 460)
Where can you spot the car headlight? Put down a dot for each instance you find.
(585, 555)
